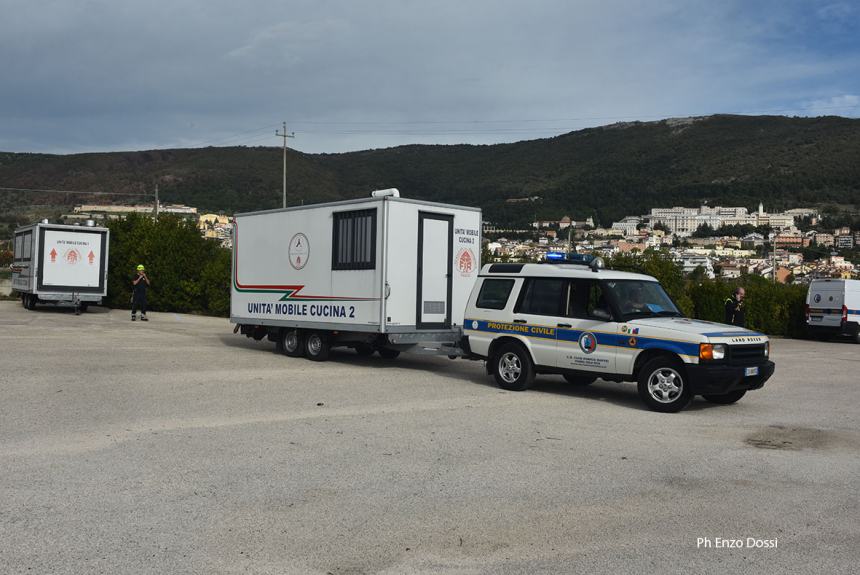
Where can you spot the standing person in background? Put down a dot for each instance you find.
(138, 298)
(735, 308)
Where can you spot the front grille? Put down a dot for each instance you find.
(747, 354)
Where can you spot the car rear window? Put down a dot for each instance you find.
(494, 294)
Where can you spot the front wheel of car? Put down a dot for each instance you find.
(727, 398)
(513, 367)
(663, 385)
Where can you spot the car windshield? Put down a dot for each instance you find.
(637, 298)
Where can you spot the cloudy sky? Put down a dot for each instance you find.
(99, 75)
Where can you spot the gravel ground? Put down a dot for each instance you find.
(175, 446)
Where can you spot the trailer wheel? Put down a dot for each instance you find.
(31, 301)
(290, 343)
(84, 307)
(317, 346)
(386, 353)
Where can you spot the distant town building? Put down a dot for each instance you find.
(823, 239)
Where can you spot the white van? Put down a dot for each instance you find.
(833, 308)
(584, 323)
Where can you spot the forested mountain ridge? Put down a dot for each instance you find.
(606, 172)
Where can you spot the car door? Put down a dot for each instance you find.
(589, 344)
(539, 310)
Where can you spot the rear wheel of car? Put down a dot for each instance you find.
(663, 385)
(317, 346)
(727, 398)
(385, 353)
(513, 367)
(290, 343)
(579, 379)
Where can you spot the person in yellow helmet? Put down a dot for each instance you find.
(138, 298)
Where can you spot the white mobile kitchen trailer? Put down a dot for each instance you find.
(384, 274)
(60, 264)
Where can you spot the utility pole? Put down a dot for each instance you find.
(285, 135)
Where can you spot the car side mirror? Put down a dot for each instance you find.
(601, 314)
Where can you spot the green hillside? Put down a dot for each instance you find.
(607, 172)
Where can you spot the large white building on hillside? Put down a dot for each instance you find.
(684, 221)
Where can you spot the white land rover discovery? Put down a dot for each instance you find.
(585, 322)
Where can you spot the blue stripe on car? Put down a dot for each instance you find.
(573, 335)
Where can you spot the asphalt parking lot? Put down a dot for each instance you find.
(175, 446)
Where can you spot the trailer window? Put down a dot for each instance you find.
(494, 294)
(23, 246)
(354, 240)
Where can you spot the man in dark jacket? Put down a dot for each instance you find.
(735, 308)
(138, 298)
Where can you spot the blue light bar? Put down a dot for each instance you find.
(561, 257)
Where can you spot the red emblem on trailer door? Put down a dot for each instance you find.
(91, 256)
(53, 255)
(465, 261)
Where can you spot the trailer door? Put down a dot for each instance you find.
(435, 261)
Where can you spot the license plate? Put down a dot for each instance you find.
(816, 317)
(751, 371)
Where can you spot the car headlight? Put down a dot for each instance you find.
(711, 351)
(767, 349)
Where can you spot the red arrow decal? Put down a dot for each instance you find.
(91, 256)
(53, 255)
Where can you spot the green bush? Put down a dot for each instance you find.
(771, 308)
(189, 274)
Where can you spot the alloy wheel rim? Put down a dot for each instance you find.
(510, 367)
(665, 385)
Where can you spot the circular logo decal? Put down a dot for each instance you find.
(632, 342)
(474, 325)
(300, 251)
(817, 297)
(72, 256)
(587, 342)
(465, 261)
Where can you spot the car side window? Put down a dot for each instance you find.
(586, 296)
(494, 294)
(542, 296)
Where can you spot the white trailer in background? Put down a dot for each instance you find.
(60, 264)
(384, 274)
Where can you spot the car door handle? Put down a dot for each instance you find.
(563, 325)
(519, 321)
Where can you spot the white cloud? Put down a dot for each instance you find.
(842, 105)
